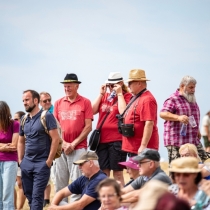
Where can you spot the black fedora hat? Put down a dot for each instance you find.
(71, 78)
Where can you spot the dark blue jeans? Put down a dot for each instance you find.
(35, 176)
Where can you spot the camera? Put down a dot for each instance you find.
(120, 122)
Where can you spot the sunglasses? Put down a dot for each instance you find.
(81, 164)
(47, 100)
(16, 119)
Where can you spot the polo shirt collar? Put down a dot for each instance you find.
(156, 172)
(77, 98)
(96, 174)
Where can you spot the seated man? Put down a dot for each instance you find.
(149, 169)
(84, 185)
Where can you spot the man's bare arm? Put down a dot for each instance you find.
(63, 193)
(148, 128)
(54, 145)
(131, 197)
(21, 148)
(77, 205)
(174, 117)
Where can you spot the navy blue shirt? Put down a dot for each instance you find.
(83, 185)
(38, 142)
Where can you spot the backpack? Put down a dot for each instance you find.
(43, 121)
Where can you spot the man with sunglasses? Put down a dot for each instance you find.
(84, 185)
(149, 169)
(45, 103)
(142, 114)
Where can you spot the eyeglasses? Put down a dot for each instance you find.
(47, 100)
(16, 119)
(109, 196)
(140, 163)
(81, 164)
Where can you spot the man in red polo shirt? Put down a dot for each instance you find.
(143, 114)
(75, 115)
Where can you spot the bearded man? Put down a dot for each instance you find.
(176, 111)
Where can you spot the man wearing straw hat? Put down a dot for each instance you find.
(75, 115)
(142, 114)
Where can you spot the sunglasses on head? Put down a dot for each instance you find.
(47, 100)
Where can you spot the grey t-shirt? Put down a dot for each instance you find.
(159, 174)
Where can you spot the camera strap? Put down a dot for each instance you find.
(107, 113)
(132, 100)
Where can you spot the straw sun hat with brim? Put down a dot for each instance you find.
(137, 75)
(185, 165)
(114, 77)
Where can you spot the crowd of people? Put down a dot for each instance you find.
(129, 139)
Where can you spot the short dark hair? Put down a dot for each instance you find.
(197, 179)
(110, 182)
(20, 114)
(33, 93)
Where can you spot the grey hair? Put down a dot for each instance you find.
(186, 80)
(96, 163)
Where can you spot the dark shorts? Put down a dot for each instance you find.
(206, 141)
(110, 154)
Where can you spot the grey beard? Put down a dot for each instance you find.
(190, 97)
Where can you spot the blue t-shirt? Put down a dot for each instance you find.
(83, 185)
(38, 142)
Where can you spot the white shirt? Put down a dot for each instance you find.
(205, 122)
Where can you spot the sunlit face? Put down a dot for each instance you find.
(108, 197)
(71, 89)
(112, 85)
(28, 102)
(189, 92)
(133, 173)
(85, 168)
(16, 117)
(186, 153)
(144, 167)
(45, 101)
(185, 180)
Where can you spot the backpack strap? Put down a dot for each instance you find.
(43, 120)
(22, 123)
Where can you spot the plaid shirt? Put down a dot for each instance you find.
(177, 104)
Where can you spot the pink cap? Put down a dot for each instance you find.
(130, 163)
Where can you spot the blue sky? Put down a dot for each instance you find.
(41, 41)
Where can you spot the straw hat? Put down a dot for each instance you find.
(114, 77)
(137, 74)
(150, 194)
(185, 165)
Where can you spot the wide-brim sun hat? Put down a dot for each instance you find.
(114, 77)
(137, 75)
(71, 78)
(185, 165)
